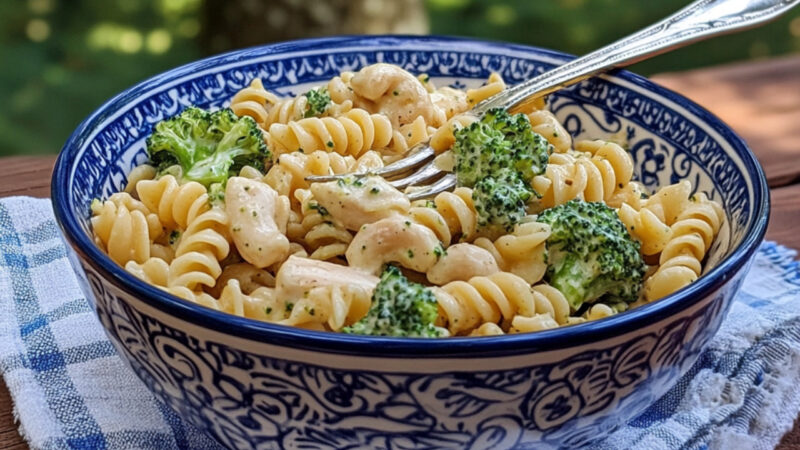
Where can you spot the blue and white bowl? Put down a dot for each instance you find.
(251, 384)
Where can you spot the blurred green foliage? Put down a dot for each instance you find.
(580, 26)
(60, 59)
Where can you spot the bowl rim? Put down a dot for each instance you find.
(394, 347)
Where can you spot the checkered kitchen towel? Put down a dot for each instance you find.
(70, 389)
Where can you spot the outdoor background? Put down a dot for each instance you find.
(60, 59)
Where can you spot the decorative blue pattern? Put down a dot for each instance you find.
(249, 398)
(586, 380)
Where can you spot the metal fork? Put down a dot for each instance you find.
(700, 20)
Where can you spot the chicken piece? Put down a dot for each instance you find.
(394, 239)
(392, 91)
(258, 218)
(462, 262)
(360, 201)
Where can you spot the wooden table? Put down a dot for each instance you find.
(759, 100)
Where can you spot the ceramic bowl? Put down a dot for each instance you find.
(253, 384)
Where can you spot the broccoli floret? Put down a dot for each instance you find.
(478, 150)
(500, 201)
(591, 255)
(318, 102)
(399, 308)
(498, 156)
(530, 151)
(499, 142)
(209, 147)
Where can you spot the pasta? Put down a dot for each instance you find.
(494, 85)
(546, 124)
(267, 108)
(521, 252)
(266, 243)
(596, 175)
(322, 237)
(450, 215)
(124, 228)
(201, 246)
(464, 305)
(681, 259)
(291, 169)
(352, 133)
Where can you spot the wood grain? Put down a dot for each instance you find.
(26, 175)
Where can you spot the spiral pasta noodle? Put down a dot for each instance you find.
(465, 305)
(329, 307)
(139, 173)
(339, 88)
(494, 85)
(124, 228)
(291, 170)
(153, 270)
(681, 259)
(352, 133)
(551, 310)
(521, 252)
(545, 123)
(410, 135)
(325, 239)
(201, 247)
(176, 205)
(444, 137)
(451, 216)
(253, 101)
(593, 179)
(646, 227)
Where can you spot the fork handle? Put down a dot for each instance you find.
(700, 20)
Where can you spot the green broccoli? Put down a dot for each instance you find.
(590, 254)
(477, 147)
(209, 147)
(501, 201)
(498, 156)
(399, 308)
(318, 102)
(498, 142)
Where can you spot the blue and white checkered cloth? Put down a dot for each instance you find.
(71, 390)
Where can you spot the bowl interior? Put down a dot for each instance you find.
(669, 137)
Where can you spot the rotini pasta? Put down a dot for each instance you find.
(545, 123)
(594, 176)
(465, 305)
(352, 133)
(261, 241)
(267, 108)
(176, 205)
(494, 85)
(324, 238)
(450, 215)
(681, 259)
(253, 101)
(200, 248)
(124, 228)
(291, 170)
(521, 252)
